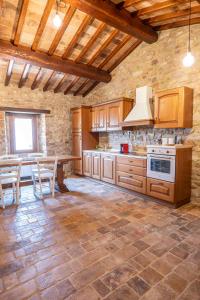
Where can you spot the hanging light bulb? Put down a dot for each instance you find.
(189, 59)
(57, 19)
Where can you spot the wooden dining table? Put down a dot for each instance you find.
(62, 160)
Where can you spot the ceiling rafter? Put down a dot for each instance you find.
(9, 71)
(178, 24)
(37, 79)
(49, 81)
(86, 21)
(91, 41)
(42, 24)
(21, 21)
(24, 75)
(108, 13)
(61, 31)
(8, 51)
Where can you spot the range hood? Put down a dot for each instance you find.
(141, 114)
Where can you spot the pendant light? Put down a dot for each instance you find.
(57, 19)
(189, 59)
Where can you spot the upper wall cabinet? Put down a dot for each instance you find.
(174, 108)
(108, 116)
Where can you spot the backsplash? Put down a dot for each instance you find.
(141, 136)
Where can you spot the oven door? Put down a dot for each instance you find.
(161, 167)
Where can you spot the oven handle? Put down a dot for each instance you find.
(161, 157)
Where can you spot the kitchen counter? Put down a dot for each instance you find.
(113, 152)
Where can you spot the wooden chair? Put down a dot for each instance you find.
(10, 175)
(45, 172)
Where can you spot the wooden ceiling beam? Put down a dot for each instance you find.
(8, 51)
(42, 24)
(77, 36)
(91, 41)
(81, 87)
(178, 24)
(37, 79)
(21, 20)
(70, 86)
(9, 72)
(59, 85)
(61, 31)
(122, 20)
(24, 75)
(90, 89)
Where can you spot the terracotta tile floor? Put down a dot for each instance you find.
(98, 242)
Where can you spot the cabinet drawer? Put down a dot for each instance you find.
(132, 161)
(132, 169)
(132, 182)
(160, 189)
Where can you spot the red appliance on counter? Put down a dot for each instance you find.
(124, 148)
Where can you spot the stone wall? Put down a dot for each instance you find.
(158, 65)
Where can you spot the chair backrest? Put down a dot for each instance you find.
(9, 156)
(10, 169)
(48, 162)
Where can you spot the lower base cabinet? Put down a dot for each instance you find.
(108, 168)
(160, 189)
(96, 165)
(132, 182)
(87, 163)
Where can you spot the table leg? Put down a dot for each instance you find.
(60, 186)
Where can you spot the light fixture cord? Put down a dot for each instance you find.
(189, 47)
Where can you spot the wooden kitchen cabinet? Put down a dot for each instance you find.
(174, 108)
(110, 115)
(87, 163)
(96, 165)
(82, 137)
(160, 189)
(108, 168)
(131, 181)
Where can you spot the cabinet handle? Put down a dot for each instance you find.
(130, 176)
(130, 170)
(130, 161)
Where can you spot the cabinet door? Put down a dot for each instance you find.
(101, 118)
(96, 165)
(132, 182)
(108, 168)
(77, 151)
(94, 119)
(160, 189)
(114, 115)
(87, 163)
(76, 120)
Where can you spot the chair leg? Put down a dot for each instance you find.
(13, 190)
(2, 196)
(52, 187)
(17, 193)
(40, 183)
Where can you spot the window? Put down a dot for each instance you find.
(23, 133)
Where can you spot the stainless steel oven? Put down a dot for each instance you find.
(161, 163)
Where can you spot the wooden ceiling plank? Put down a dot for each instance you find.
(59, 85)
(21, 21)
(90, 89)
(9, 72)
(77, 36)
(122, 20)
(178, 14)
(178, 24)
(42, 24)
(116, 63)
(81, 87)
(70, 86)
(24, 75)
(25, 55)
(125, 40)
(37, 79)
(91, 41)
(105, 44)
(61, 31)
(49, 81)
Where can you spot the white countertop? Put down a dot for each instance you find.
(116, 152)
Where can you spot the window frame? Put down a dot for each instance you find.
(12, 141)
